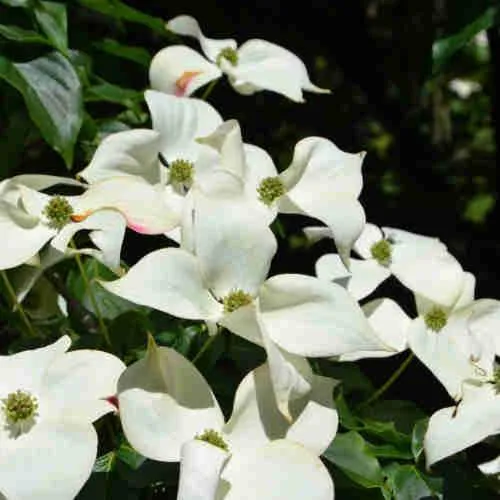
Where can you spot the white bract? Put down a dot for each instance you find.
(470, 367)
(165, 403)
(256, 65)
(48, 401)
(420, 263)
(29, 219)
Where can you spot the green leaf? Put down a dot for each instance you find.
(16, 34)
(406, 482)
(478, 207)
(389, 451)
(53, 95)
(404, 414)
(351, 453)
(128, 455)
(18, 3)
(444, 48)
(417, 437)
(110, 305)
(113, 93)
(105, 463)
(135, 54)
(128, 333)
(121, 11)
(354, 381)
(53, 21)
(383, 431)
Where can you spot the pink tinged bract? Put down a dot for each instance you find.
(180, 71)
(144, 206)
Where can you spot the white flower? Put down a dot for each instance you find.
(165, 403)
(321, 182)
(464, 362)
(222, 279)
(421, 263)
(48, 401)
(256, 65)
(29, 219)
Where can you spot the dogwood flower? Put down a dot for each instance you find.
(177, 123)
(29, 219)
(321, 182)
(256, 65)
(421, 263)
(476, 414)
(48, 401)
(221, 279)
(169, 413)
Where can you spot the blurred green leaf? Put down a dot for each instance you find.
(351, 453)
(478, 207)
(18, 3)
(121, 11)
(138, 55)
(444, 48)
(53, 21)
(16, 34)
(53, 95)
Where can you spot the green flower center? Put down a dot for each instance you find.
(270, 189)
(19, 406)
(235, 300)
(229, 54)
(436, 319)
(58, 212)
(382, 252)
(213, 437)
(181, 172)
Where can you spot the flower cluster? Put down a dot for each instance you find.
(194, 179)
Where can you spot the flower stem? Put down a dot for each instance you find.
(209, 89)
(93, 300)
(402, 367)
(18, 306)
(205, 346)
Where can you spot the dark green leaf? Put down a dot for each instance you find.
(178, 338)
(389, 451)
(417, 437)
(113, 93)
(354, 381)
(404, 414)
(110, 305)
(136, 54)
(52, 19)
(105, 463)
(406, 482)
(18, 3)
(53, 95)
(350, 452)
(16, 34)
(444, 48)
(121, 11)
(128, 333)
(128, 455)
